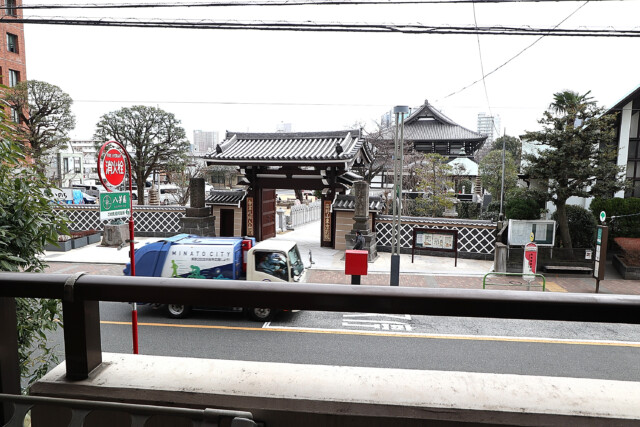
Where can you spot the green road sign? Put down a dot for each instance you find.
(115, 205)
(603, 216)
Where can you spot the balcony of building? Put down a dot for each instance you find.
(106, 389)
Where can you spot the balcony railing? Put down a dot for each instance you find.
(138, 414)
(81, 294)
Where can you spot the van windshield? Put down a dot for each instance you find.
(297, 266)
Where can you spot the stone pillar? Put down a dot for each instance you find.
(198, 219)
(361, 221)
(500, 258)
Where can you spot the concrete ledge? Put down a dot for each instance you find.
(310, 395)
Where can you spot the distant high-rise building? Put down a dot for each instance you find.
(283, 127)
(204, 141)
(489, 126)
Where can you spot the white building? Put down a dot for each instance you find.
(86, 148)
(489, 126)
(283, 127)
(204, 141)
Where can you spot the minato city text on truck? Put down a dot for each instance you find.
(221, 258)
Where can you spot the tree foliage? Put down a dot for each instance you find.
(490, 170)
(434, 180)
(582, 227)
(27, 223)
(577, 154)
(521, 203)
(45, 117)
(153, 138)
(512, 145)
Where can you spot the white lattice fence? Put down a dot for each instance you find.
(148, 220)
(474, 237)
(302, 214)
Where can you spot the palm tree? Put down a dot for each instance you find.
(571, 103)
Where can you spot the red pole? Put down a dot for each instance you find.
(132, 255)
(134, 308)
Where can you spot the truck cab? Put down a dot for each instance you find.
(275, 261)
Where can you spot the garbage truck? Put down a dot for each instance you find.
(220, 258)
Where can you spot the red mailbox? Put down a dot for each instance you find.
(356, 262)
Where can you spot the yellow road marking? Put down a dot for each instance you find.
(383, 334)
(554, 287)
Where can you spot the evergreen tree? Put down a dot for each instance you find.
(577, 155)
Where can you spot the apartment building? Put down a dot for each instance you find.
(13, 64)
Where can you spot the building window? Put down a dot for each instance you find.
(14, 77)
(633, 167)
(15, 116)
(12, 43)
(11, 8)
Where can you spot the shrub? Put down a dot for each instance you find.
(582, 226)
(623, 226)
(522, 203)
(427, 207)
(630, 250)
(491, 212)
(468, 210)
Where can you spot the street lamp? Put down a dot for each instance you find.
(400, 111)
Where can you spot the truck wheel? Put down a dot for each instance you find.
(178, 311)
(261, 314)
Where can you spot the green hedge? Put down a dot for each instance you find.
(468, 210)
(622, 226)
(582, 227)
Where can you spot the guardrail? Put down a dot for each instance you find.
(484, 280)
(140, 414)
(81, 294)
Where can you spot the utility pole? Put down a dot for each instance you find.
(399, 111)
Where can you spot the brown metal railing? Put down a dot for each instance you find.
(80, 297)
(139, 414)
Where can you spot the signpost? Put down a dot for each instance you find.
(115, 205)
(601, 250)
(111, 171)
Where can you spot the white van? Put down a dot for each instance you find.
(92, 190)
(169, 194)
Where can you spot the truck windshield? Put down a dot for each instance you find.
(297, 267)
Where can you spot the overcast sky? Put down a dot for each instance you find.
(234, 80)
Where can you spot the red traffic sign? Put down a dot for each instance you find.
(113, 166)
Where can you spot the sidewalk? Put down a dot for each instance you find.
(328, 267)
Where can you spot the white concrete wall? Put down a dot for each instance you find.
(284, 394)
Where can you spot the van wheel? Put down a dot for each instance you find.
(178, 311)
(261, 314)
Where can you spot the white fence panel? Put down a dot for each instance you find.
(302, 214)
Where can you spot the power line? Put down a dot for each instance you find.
(309, 26)
(516, 55)
(276, 3)
(288, 104)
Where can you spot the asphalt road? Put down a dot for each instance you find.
(603, 351)
(409, 342)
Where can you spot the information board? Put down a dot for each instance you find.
(435, 239)
(544, 232)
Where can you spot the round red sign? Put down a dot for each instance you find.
(114, 167)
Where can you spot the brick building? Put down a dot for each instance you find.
(13, 64)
